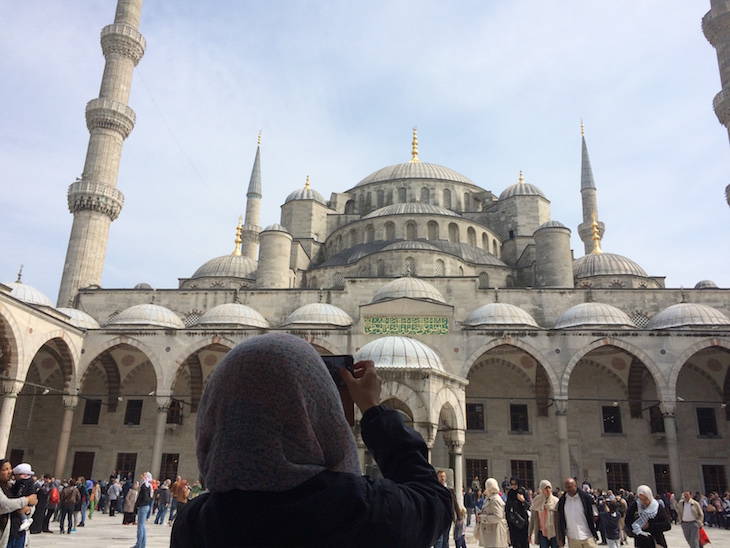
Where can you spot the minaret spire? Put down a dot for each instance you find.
(94, 200)
(589, 198)
(239, 228)
(251, 228)
(414, 147)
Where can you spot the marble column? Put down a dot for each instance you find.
(561, 420)
(163, 405)
(69, 405)
(455, 440)
(670, 430)
(11, 389)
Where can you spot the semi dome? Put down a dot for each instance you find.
(413, 288)
(414, 170)
(306, 193)
(410, 245)
(606, 264)
(689, 315)
(593, 314)
(521, 188)
(499, 314)
(410, 208)
(29, 294)
(79, 319)
(399, 352)
(149, 315)
(319, 314)
(235, 266)
(706, 284)
(233, 314)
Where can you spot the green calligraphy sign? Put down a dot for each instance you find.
(399, 325)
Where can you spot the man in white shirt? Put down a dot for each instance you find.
(576, 518)
(690, 512)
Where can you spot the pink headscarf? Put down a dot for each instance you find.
(271, 418)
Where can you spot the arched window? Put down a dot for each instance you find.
(485, 242)
(510, 282)
(410, 266)
(461, 271)
(390, 231)
(353, 237)
(313, 282)
(350, 207)
(401, 195)
(361, 203)
(368, 202)
(338, 281)
(433, 230)
(381, 198)
(483, 280)
(453, 233)
(425, 195)
(467, 201)
(369, 234)
(471, 236)
(447, 198)
(439, 268)
(495, 248)
(381, 268)
(338, 244)
(411, 233)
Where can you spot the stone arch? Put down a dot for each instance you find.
(394, 390)
(195, 368)
(349, 207)
(113, 379)
(448, 400)
(10, 351)
(60, 349)
(687, 354)
(630, 349)
(369, 234)
(471, 236)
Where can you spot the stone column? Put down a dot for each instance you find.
(69, 405)
(561, 419)
(163, 405)
(670, 429)
(455, 440)
(10, 393)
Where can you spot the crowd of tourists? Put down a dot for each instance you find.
(29, 504)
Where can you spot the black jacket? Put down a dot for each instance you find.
(407, 508)
(587, 509)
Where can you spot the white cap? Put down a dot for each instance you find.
(23, 468)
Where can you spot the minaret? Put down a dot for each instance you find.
(716, 26)
(94, 199)
(251, 228)
(588, 195)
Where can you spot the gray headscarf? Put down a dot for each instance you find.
(271, 418)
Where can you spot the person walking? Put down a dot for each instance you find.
(491, 527)
(692, 517)
(163, 502)
(144, 506)
(469, 504)
(70, 496)
(576, 519)
(516, 509)
(543, 527)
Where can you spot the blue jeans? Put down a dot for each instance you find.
(17, 542)
(161, 511)
(67, 513)
(443, 540)
(143, 513)
(173, 509)
(84, 507)
(547, 543)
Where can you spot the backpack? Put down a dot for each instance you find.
(54, 497)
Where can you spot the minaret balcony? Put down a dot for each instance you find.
(96, 196)
(110, 114)
(124, 40)
(721, 104)
(716, 23)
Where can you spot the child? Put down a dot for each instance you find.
(459, 536)
(611, 517)
(24, 486)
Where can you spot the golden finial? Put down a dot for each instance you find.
(239, 229)
(582, 128)
(522, 180)
(414, 150)
(20, 273)
(259, 138)
(596, 238)
(306, 185)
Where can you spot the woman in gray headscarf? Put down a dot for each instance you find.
(491, 528)
(281, 464)
(544, 517)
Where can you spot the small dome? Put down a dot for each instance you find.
(689, 315)
(276, 227)
(706, 284)
(79, 319)
(399, 352)
(233, 314)
(413, 288)
(150, 315)
(143, 286)
(319, 314)
(305, 193)
(410, 208)
(552, 224)
(593, 314)
(606, 264)
(498, 314)
(235, 266)
(29, 294)
(414, 170)
(410, 245)
(521, 188)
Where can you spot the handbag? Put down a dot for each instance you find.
(515, 519)
(704, 539)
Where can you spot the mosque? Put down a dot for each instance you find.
(509, 355)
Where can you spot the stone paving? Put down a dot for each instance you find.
(103, 532)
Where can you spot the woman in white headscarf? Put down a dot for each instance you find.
(648, 520)
(544, 517)
(281, 464)
(491, 528)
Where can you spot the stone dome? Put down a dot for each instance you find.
(410, 245)
(689, 315)
(275, 227)
(79, 319)
(606, 264)
(552, 224)
(306, 193)
(593, 314)
(235, 266)
(521, 188)
(319, 314)
(399, 352)
(143, 285)
(414, 170)
(706, 284)
(499, 314)
(148, 315)
(413, 288)
(233, 314)
(29, 294)
(410, 208)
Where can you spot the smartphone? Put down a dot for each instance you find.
(334, 364)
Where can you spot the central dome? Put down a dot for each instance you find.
(410, 208)
(414, 170)
(234, 266)
(606, 264)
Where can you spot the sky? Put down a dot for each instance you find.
(336, 88)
